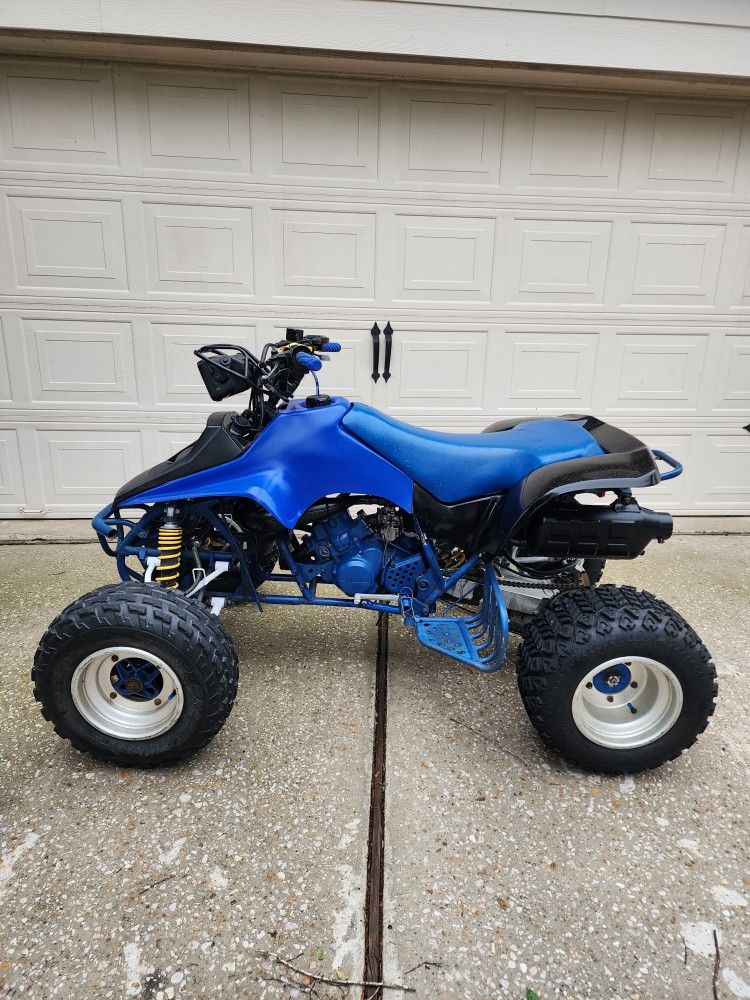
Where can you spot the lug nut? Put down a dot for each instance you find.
(157, 701)
(114, 659)
(634, 684)
(610, 698)
(589, 685)
(113, 694)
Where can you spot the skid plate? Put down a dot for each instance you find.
(481, 640)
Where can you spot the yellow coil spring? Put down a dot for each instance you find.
(170, 552)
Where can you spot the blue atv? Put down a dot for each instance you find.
(465, 536)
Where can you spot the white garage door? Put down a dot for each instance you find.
(535, 253)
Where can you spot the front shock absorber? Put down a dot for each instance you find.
(170, 551)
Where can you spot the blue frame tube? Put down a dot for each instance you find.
(458, 574)
(330, 602)
(247, 592)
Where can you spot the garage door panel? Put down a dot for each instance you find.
(565, 143)
(80, 361)
(86, 466)
(672, 494)
(732, 384)
(184, 125)
(449, 137)
(67, 243)
(178, 382)
(443, 258)
(170, 442)
(650, 372)
(536, 252)
(740, 295)
(669, 264)
(318, 254)
(542, 369)
(321, 130)
(555, 260)
(5, 390)
(437, 371)
(724, 472)
(690, 148)
(61, 115)
(198, 250)
(12, 494)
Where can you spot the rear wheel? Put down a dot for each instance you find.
(615, 680)
(136, 675)
(525, 593)
(593, 570)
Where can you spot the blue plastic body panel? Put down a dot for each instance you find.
(456, 467)
(301, 456)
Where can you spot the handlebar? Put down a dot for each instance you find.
(273, 378)
(308, 361)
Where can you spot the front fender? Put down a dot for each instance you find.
(302, 455)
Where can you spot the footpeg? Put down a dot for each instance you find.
(481, 640)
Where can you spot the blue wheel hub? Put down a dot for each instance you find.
(137, 680)
(613, 679)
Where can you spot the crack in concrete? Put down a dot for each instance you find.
(373, 971)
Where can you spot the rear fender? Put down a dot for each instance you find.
(626, 464)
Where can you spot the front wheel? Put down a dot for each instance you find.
(136, 675)
(615, 680)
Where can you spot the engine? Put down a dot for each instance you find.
(366, 554)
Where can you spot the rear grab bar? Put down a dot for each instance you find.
(676, 467)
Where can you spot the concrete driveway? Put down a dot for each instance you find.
(505, 870)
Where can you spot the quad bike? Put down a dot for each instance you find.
(464, 536)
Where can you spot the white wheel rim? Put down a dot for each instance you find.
(627, 702)
(118, 707)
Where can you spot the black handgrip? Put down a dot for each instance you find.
(375, 334)
(388, 334)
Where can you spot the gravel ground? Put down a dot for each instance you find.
(504, 868)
